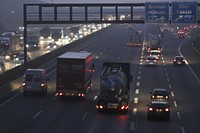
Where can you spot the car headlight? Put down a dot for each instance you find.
(7, 57)
(16, 58)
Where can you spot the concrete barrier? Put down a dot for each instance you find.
(12, 79)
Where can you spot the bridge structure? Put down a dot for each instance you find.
(96, 13)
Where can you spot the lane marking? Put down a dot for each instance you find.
(134, 111)
(137, 91)
(85, 115)
(35, 116)
(10, 99)
(138, 84)
(175, 104)
(140, 72)
(170, 86)
(168, 79)
(132, 126)
(95, 98)
(97, 57)
(182, 129)
(135, 100)
(172, 94)
(178, 114)
(138, 77)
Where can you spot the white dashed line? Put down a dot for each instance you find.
(137, 91)
(138, 77)
(168, 79)
(138, 84)
(35, 116)
(140, 72)
(97, 57)
(170, 86)
(178, 114)
(135, 100)
(134, 111)
(175, 104)
(132, 126)
(101, 52)
(84, 116)
(182, 129)
(95, 98)
(172, 94)
(54, 98)
(166, 74)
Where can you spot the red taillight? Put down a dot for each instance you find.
(24, 84)
(150, 109)
(59, 94)
(124, 107)
(81, 95)
(42, 85)
(174, 59)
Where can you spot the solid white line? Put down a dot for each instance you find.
(35, 116)
(179, 49)
(10, 99)
(84, 116)
(132, 126)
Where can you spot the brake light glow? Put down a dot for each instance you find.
(81, 95)
(167, 109)
(124, 107)
(150, 109)
(24, 84)
(59, 94)
(42, 85)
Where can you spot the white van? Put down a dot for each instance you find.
(35, 80)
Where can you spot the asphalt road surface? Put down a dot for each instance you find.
(51, 115)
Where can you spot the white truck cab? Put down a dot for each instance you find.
(35, 80)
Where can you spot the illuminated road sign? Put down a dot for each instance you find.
(184, 12)
(157, 12)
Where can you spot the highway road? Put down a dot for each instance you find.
(51, 115)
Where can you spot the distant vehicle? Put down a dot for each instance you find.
(56, 33)
(179, 60)
(181, 33)
(74, 74)
(151, 61)
(45, 32)
(52, 46)
(114, 87)
(10, 45)
(19, 59)
(158, 110)
(2, 65)
(154, 43)
(160, 94)
(136, 38)
(155, 54)
(33, 42)
(35, 80)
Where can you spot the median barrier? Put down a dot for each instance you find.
(12, 79)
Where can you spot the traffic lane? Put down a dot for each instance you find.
(185, 100)
(153, 77)
(40, 112)
(186, 91)
(192, 57)
(88, 113)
